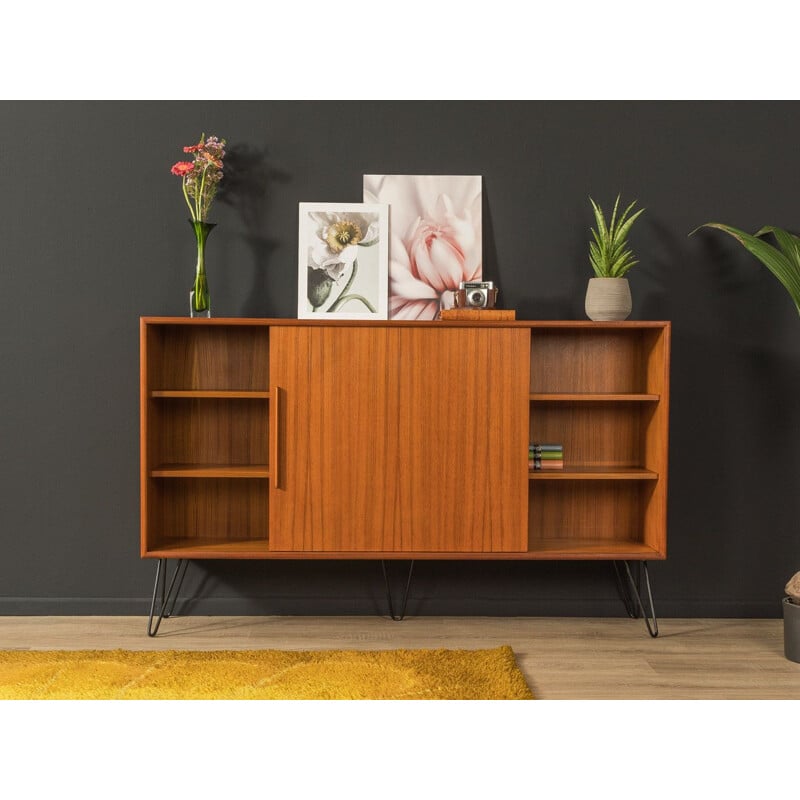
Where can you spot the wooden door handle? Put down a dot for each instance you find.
(274, 436)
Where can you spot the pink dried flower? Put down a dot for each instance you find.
(201, 177)
(182, 168)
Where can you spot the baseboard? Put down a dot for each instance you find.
(366, 606)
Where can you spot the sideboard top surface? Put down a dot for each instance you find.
(291, 321)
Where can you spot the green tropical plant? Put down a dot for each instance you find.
(782, 261)
(609, 253)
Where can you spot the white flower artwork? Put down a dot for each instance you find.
(436, 240)
(343, 261)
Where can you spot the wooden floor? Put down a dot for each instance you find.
(561, 658)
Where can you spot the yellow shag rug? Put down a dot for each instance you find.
(261, 675)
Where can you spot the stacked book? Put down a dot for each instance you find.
(545, 456)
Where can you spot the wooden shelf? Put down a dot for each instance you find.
(569, 548)
(540, 550)
(216, 394)
(195, 547)
(594, 474)
(210, 471)
(594, 397)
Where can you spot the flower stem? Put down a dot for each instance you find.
(347, 298)
(199, 198)
(340, 299)
(186, 198)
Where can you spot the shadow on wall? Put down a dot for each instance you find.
(526, 308)
(356, 587)
(491, 271)
(248, 188)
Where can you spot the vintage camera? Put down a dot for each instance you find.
(475, 294)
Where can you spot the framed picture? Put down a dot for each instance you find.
(436, 238)
(343, 261)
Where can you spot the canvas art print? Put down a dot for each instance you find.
(343, 261)
(436, 242)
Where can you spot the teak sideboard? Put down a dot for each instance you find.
(283, 438)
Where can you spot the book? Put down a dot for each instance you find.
(536, 464)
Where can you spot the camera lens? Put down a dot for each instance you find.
(476, 298)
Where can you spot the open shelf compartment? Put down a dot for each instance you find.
(597, 361)
(212, 518)
(596, 436)
(208, 433)
(614, 519)
(229, 358)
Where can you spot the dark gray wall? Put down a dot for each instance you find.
(94, 234)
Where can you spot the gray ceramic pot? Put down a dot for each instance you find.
(608, 299)
(791, 630)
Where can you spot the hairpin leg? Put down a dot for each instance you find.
(168, 597)
(402, 614)
(625, 593)
(632, 591)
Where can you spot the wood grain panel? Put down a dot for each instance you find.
(202, 509)
(463, 440)
(339, 466)
(214, 393)
(576, 549)
(593, 434)
(587, 510)
(210, 431)
(587, 360)
(210, 471)
(594, 474)
(200, 547)
(585, 397)
(147, 439)
(656, 437)
(211, 357)
(412, 441)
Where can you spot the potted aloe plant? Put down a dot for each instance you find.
(608, 295)
(783, 262)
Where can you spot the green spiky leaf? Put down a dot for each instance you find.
(609, 254)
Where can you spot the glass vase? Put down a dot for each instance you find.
(199, 297)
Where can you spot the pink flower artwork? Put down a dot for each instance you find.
(435, 238)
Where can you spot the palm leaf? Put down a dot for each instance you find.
(783, 263)
(788, 242)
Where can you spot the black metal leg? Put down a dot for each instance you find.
(402, 614)
(625, 594)
(168, 599)
(183, 565)
(632, 591)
